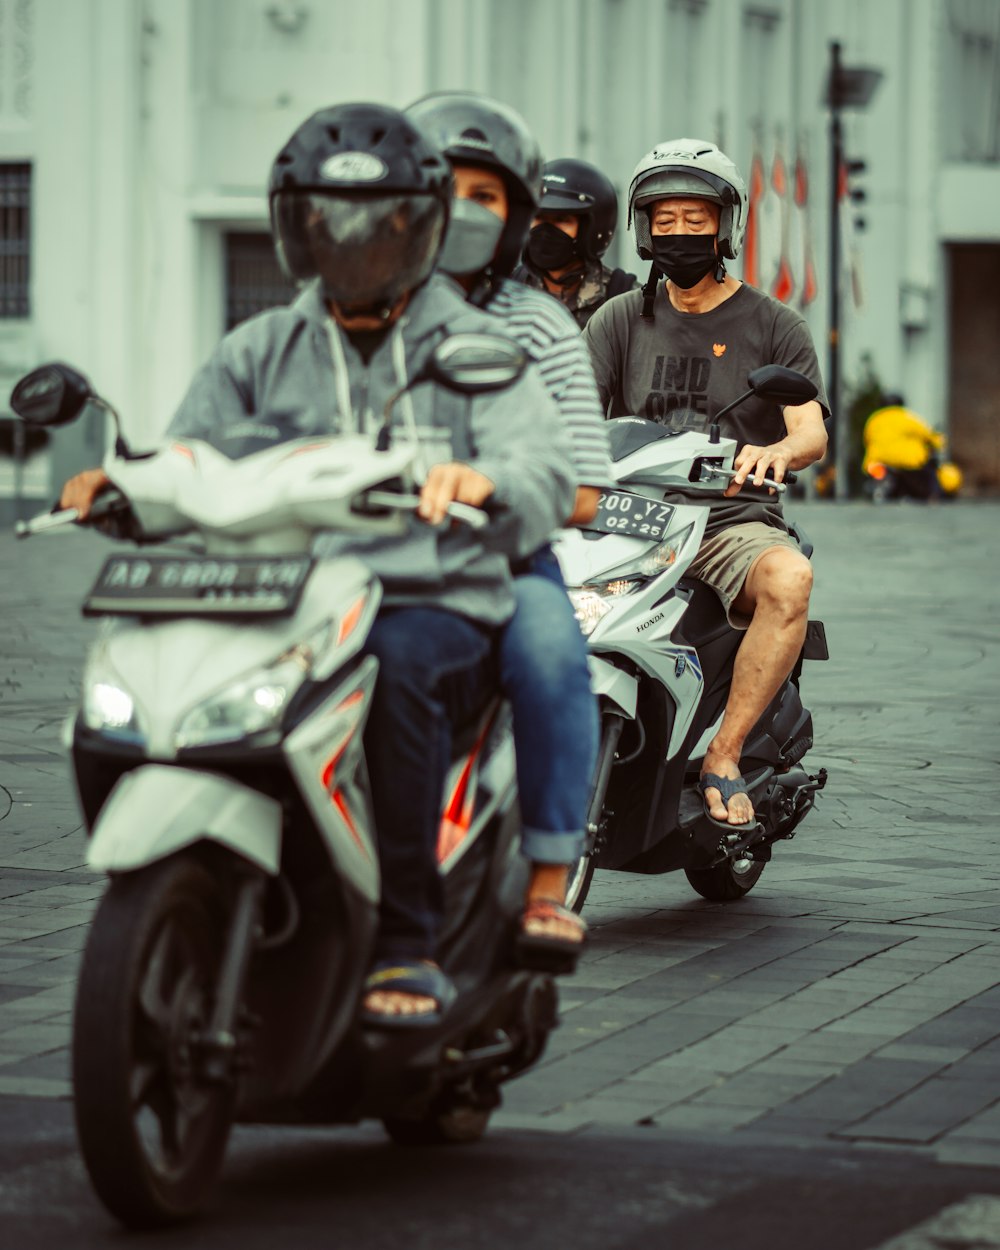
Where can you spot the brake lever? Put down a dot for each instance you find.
(475, 518)
(712, 470)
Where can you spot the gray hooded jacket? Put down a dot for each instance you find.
(295, 364)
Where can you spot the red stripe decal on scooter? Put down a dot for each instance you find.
(350, 619)
(457, 818)
(329, 769)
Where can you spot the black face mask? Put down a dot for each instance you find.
(550, 248)
(684, 258)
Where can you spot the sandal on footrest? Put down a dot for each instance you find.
(727, 787)
(401, 976)
(542, 951)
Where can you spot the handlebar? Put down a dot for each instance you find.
(475, 518)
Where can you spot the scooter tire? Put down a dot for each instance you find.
(722, 884)
(151, 1133)
(459, 1125)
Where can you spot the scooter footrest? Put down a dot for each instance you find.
(814, 647)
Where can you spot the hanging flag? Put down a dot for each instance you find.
(783, 286)
(768, 235)
(751, 245)
(803, 247)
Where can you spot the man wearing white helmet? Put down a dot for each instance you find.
(688, 342)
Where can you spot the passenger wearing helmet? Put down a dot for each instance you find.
(359, 208)
(571, 231)
(496, 167)
(688, 343)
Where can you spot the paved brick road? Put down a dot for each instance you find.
(853, 996)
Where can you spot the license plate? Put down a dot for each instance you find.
(198, 586)
(620, 512)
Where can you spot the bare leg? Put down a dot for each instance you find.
(776, 593)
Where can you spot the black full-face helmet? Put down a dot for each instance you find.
(359, 197)
(577, 187)
(473, 129)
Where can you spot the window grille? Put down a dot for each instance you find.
(254, 280)
(15, 240)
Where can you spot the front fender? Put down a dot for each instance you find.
(609, 682)
(155, 810)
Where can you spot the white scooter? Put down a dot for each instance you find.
(219, 761)
(661, 656)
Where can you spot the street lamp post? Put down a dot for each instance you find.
(845, 88)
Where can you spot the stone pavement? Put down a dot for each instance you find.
(852, 998)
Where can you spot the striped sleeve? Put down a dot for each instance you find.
(552, 338)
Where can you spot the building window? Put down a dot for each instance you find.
(973, 73)
(15, 240)
(254, 280)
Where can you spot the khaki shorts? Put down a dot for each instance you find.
(724, 560)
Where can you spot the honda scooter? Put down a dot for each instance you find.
(219, 761)
(661, 658)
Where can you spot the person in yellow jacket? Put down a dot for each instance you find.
(898, 441)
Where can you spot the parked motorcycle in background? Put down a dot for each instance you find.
(219, 761)
(904, 457)
(662, 655)
(935, 480)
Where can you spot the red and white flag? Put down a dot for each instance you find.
(801, 247)
(783, 286)
(751, 244)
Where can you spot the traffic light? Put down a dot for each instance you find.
(852, 171)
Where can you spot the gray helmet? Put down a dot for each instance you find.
(691, 168)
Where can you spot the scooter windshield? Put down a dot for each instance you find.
(245, 438)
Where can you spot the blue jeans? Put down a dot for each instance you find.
(436, 670)
(543, 672)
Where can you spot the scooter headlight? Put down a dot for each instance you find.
(257, 701)
(591, 604)
(108, 705)
(251, 705)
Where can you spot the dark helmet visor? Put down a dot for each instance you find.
(366, 249)
(556, 201)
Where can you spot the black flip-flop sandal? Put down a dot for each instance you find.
(408, 977)
(727, 787)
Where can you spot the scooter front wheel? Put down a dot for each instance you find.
(725, 882)
(151, 1131)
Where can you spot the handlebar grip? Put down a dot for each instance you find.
(46, 521)
(474, 517)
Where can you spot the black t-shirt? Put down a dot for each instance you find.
(699, 362)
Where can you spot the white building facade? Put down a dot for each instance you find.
(136, 138)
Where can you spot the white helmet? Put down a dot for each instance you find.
(695, 168)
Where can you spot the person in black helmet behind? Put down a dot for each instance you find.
(359, 202)
(496, 165)
(571, 231)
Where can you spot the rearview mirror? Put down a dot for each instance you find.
(781, 385)
(473, 363)
(51, 395)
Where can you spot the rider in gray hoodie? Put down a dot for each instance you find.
(359, 205)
